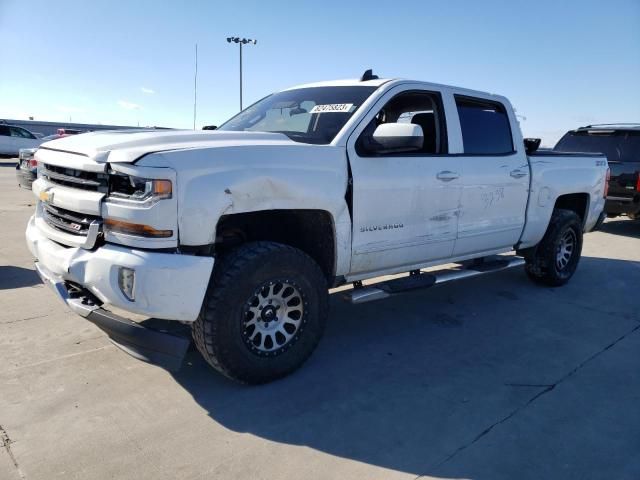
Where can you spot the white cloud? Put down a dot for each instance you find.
(146, 90)
(129, 105)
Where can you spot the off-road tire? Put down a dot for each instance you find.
(219, 329)
(541, 265)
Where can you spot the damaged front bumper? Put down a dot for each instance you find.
(143, 343)
(167, 286)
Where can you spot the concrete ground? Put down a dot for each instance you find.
(487, 378)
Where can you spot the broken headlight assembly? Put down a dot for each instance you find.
(127, 188)
(137, 192)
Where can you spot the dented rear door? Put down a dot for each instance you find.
(495, 180)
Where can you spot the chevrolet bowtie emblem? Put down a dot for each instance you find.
(46, 196)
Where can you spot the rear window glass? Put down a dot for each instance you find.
(618, 146)
(485, 126)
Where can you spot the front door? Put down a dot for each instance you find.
(405, 204)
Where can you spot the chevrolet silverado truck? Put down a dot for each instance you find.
(241, 232)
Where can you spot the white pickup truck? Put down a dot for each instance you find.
(241, 232)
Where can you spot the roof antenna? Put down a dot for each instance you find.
(368, 75)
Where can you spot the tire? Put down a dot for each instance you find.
(551, 263)
(261, 293)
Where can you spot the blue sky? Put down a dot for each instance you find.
(562, 63)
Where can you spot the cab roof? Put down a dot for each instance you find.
(349, 82)
(377, 82)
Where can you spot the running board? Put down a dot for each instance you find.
(417, 280)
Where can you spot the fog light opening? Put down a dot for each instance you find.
(127, 282)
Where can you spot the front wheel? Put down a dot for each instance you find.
(263, 314)
(555, 259)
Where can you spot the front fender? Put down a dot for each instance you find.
(225, 180)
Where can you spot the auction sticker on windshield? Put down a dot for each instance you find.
(332, 108)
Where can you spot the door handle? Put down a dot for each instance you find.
(447, 176)
(517, 173)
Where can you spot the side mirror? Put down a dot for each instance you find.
(209, 127)
(397, 137)
(531, 145)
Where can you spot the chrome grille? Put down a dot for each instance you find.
(70, 177)
(68, 221)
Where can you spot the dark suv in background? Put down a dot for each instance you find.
(621, 144)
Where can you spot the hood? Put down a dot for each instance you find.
(126, 146)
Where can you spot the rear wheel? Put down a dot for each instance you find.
(263, 314)
(555, 259)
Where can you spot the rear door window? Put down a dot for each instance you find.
(485, 126)
(4, 131)
(617, 145)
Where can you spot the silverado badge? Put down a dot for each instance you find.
(374, 228)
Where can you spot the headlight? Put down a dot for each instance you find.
(135, 189)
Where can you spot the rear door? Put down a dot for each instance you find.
(495, 177)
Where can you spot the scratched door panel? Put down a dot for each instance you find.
(492, 204)
(403, 215)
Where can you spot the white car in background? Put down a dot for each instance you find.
(13, 138)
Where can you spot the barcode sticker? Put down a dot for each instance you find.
(333, 108)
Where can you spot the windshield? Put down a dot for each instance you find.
(617, 145)
(307, 115)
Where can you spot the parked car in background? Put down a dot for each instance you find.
(26, 168)
(55, 136)
(69, 131)
(621, 144)
(13, 138)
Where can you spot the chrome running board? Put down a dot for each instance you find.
(418, 280)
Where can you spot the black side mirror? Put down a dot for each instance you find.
(210, 127)
(531, 145)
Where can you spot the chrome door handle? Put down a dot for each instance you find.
(518, 173)
(447, 176)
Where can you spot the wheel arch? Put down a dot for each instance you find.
(576, 202)
(312, 231)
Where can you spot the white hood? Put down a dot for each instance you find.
(127, 146)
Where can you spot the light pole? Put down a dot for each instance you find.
(241, 41)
